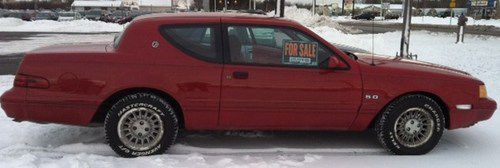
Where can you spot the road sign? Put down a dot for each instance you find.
(453, 3)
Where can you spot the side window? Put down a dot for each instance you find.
(197, 40)
(274, 46)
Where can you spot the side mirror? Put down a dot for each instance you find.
(333, 62)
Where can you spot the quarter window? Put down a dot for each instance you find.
(198, 41)
(274, 46)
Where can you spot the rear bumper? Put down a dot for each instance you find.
(12, 102)
(481, 111)
(16, 106)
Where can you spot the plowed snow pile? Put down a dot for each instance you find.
(304, 17)
(75, 26)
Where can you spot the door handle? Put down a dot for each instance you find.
(240, 75)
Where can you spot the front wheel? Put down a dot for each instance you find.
(141, 124)
(411, 125)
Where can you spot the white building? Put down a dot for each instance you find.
(81, 5)
(142, 5)
(154, 5)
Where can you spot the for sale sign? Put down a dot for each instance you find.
(300, 53)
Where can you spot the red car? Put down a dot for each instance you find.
(167, 72)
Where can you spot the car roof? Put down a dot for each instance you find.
(167, 16)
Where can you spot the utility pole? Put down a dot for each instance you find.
(282, 8)
(497, 14)
(314, 7)
(342, 10)
(405, 36)
(353, 2)
(225, 5)
(277, 9)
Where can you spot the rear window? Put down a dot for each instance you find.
(197, 40)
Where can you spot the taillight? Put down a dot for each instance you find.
(31, 81)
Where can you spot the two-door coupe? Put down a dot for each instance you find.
(167, 72)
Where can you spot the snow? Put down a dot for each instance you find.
(428, 20)
(304, 17)
(28, 144)
(74, 26)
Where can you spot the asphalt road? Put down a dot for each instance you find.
(9, 63)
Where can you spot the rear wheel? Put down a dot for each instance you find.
(411, 125)
(141, 124)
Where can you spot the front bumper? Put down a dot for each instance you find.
(480, 111)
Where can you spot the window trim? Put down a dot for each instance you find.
(227, 56)
(219, 51)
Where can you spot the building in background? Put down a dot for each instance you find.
(80, 5)
(140, 5)
(153, 5)
(482, 9)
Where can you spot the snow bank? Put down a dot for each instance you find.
(305, 17)
(75, 26)
(428, 20)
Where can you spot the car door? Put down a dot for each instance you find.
(262, 88)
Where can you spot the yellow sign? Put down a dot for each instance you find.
(453, 3)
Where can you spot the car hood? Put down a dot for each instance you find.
(412, 67)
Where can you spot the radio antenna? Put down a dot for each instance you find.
(373, 41)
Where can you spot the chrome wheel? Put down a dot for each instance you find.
(140, 128)
(414, 127)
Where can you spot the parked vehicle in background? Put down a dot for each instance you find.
(68, 16)
(4, 13)
(443, 14)
(93, 14)
(106, 18)
(391, 15)
(253, 11)
(118, 14)
(365, 16)
(24, 15)
(46, 15)
(130, 17)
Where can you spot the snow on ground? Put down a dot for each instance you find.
(429, 20)
(42, 40)
(304, 17)
(28, 144)
(74, 26)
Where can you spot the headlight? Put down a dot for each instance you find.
(482, 91)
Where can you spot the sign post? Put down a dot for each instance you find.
(405, 36)
(453, 3)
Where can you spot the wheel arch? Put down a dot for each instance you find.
(100, 114)
(439, 101)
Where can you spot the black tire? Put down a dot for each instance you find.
(155, 105)
(386, 125)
